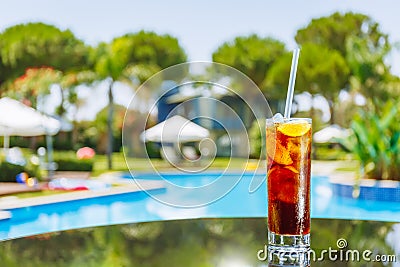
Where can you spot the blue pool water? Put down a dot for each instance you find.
(141, 207)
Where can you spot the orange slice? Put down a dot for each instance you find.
(294, 129)
(278, 152)
(292, 169)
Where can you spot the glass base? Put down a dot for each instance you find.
(288, 250)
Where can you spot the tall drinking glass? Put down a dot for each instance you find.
(288, 144)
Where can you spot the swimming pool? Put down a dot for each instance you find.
(140, 207)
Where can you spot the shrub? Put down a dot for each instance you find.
(74, 165)
(69, 162)
(376, 142)
(256, 137)
(9, 171)
(153, 150)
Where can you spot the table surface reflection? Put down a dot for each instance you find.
(203, 242)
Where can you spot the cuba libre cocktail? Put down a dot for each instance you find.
(288, 145)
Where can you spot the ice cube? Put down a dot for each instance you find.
(284, 184)
(278, 118)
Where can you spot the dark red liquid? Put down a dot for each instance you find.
(288, 182)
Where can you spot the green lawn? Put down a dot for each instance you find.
(349, 166)
(140, 164)
(324, 152)
(39, 193)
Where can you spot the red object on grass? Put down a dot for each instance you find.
(85, 153)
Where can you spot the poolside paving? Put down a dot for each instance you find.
(329, 168)
(13, 188)
(76, 195)
(4, 215)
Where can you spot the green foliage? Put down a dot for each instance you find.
(256, 136)
(38, 44)
(334, 31)
(35, 82)
(153, 150)
(74, 164)
(99, 129)
(376, 142)
(100, 122)
(43, 55)
(156, 50)
(68, 83)
(9, 171)
(371, 75)
(148, 50)
(252, 55)
(133, 57)
(364, 61)
(141, 72)
(360, 41)
(69, 162)
(330, 152)
(108, 64)
(320, 71)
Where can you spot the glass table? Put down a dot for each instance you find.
(203, 242)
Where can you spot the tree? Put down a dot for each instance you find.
(334, 31)
(37, 44)
(68, 83)
(371, 75)
(100, 126)
(129, 55)
(33, 83)
(320, 71)
(41, 55)
(359, 39)
(252, 55)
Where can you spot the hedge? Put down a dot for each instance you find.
(74, 165)
(9, 171)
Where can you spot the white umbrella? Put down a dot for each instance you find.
(21, 120)
(330, 133)
(176, 129)
(17, 119)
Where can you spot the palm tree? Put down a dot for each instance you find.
(130, 58)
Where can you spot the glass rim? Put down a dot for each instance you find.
(309, 120)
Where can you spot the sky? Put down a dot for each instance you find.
(200, 26)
